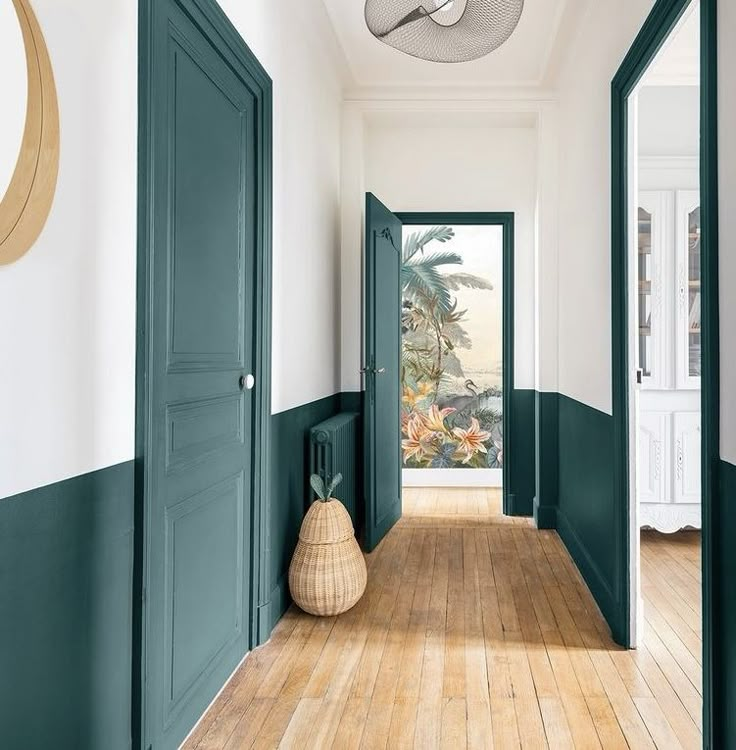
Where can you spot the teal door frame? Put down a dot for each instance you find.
(504, 219)
(662, 19)
(215, 25)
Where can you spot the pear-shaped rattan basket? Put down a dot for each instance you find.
(327, 575)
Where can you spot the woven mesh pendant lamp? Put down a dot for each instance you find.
(447, 31)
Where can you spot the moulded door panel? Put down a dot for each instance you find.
(654, 442)
(687, 463)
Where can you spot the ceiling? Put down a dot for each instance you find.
(526, 59)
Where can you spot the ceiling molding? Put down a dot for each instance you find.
(430, 94)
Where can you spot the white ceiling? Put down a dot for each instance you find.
(526, 59)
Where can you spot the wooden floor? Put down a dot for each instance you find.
(476, 630)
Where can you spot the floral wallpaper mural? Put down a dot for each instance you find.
(452, 340)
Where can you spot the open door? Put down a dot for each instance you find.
(382, 424)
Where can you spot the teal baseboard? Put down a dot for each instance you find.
(66, 598)
(545, 516)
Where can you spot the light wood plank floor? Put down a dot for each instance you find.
(475, 631)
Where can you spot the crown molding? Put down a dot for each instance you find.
(438, 94)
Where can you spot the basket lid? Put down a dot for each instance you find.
(326, 523)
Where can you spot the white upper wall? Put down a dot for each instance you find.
(295, 42)
(68, 306)
(67, 380)
(606, 33)
(453, 162)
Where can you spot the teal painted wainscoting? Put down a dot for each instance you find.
(66, 570)
(521, 453)
(290, 493)
(588, 519)
(546, 469)
(723, 718)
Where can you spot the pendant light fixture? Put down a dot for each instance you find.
(445, 31)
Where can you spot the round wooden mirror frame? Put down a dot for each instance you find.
(27, 202)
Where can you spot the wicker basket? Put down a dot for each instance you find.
(327, 574)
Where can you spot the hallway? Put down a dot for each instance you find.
(476, 630)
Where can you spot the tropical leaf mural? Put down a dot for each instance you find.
(448, 421)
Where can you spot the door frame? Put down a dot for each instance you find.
(661, 21)
(218, 28)
(506, 220)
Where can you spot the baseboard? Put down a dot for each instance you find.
(595, 580)
(545, 516)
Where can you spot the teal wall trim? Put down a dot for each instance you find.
(289, 496)
(66, 573)
(588, 520)
(547, 458)
(659, 24)
(521, 452)
(723, 698)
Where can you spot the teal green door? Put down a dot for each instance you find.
(197, 598)
(382, 371)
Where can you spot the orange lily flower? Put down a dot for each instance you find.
(435, 420)
(471, 441)
(415, 431)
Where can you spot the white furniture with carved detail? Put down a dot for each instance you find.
(668, 278)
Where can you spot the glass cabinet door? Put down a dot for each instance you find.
(688, 313)
(655, 212)
(644, 280)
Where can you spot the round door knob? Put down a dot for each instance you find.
(247, 382)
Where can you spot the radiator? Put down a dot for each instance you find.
(333, 448)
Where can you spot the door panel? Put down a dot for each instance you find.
(688, 480)
(654, 441)
(200, 483)
(382, 371)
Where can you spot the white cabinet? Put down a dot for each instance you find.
(654, 450)
(687, 457)
(668, 287)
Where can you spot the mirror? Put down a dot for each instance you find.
(13, 92)
(29, 130)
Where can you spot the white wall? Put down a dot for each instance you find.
(295, 42)
(68, 306)
(445, 161)
(669, 120)
(605, 35)
(727, 198)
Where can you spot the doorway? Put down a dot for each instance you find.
(203, 364)
(429, 422)
(665, 353)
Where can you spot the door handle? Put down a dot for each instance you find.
(246, 382)
(382, 370)
(366, 370)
